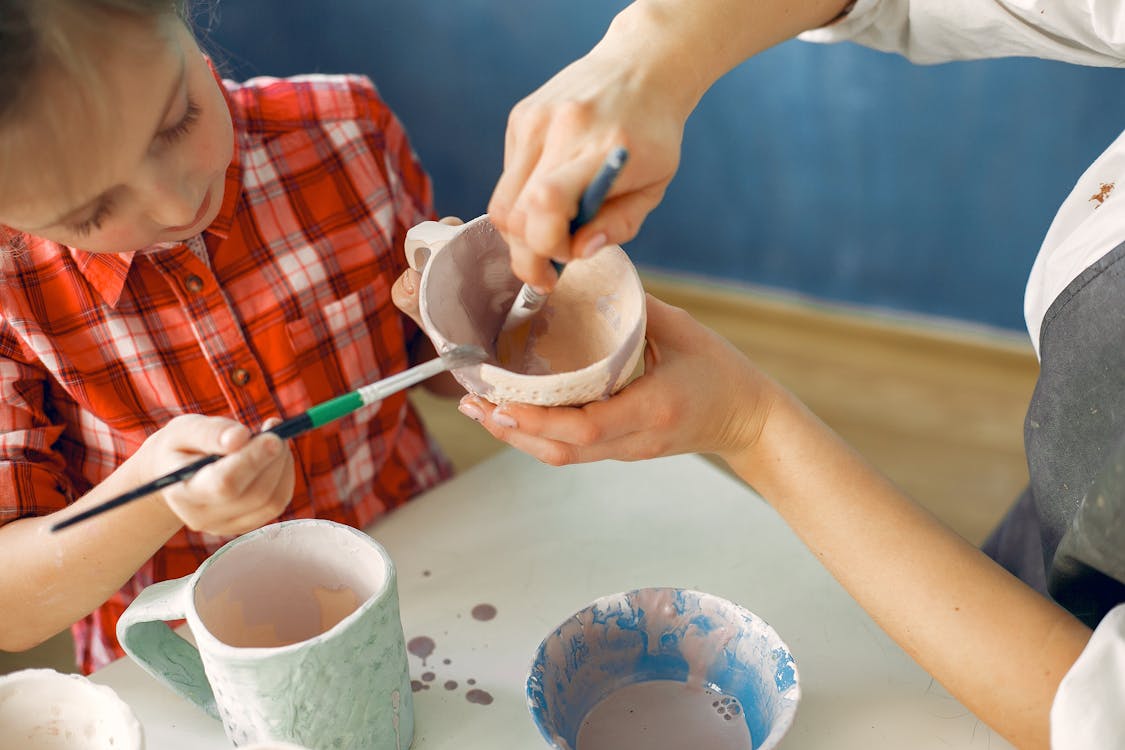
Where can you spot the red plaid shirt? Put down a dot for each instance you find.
(283, 302)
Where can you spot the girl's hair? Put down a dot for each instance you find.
(51, 37)
(36, 35)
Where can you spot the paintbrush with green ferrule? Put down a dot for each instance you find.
(321, 414)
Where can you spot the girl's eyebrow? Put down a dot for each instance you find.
(169, 103)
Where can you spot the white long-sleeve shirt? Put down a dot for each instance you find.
(1091, 221)
(1089, 707)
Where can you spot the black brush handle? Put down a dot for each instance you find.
(289, 428)
(178, 475)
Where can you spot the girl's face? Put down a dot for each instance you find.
(152, 172)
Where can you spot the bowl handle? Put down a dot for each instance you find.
(425, 239)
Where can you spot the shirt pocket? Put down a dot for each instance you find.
(340, 346)
(347, 343)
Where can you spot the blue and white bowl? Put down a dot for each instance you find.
(663, 634)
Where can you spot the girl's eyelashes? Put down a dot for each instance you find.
(95, 221)
(184, 126)
(167, 137)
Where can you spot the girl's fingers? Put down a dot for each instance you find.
(265, 453)
(404, 294)
(234, 474)
(256, 483)
(276, 488)
(195, 433)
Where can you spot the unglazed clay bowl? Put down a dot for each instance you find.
(41, 709)
(582, 346)
(703, 666)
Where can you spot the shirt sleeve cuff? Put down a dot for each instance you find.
(856, 17)
(1086, 711)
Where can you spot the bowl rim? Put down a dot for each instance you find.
(444, 343)
(793, 695)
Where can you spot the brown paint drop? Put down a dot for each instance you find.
(425, 574)
(415, 686)
(422, 647)
(478, 696)
(451, 684)
(428, 676)
(471, 681)
(446, 661)
(484, 612)
(1103, 192)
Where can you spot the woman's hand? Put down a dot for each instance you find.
(558, 138)
(698, 394)
(635, 88)
(250, 486)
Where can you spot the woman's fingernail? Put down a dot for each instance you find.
(470, 410)
(503, 418)
(408, 282)
(542, 291)
(593, 245)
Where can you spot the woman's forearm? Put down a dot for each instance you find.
(993, 642)
(687, 45)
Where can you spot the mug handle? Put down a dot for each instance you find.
(144, 634)
(425, 239)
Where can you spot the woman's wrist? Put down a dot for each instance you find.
(749, 430)
(645, 38)
(685, 46)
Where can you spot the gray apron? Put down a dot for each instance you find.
(1065, 535)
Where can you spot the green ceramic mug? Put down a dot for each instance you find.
(298, 639)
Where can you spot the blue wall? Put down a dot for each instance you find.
(835, 171)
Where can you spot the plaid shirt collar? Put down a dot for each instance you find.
(106, 272)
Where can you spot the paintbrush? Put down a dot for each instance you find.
(321, 414)
(528, 301)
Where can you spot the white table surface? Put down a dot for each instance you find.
(539, 542)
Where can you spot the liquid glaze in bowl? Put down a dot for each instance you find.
(583, 345)
(664, 635)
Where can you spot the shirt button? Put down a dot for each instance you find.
(239, 376)
(194, 284)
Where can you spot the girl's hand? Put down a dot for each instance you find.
(250, 486)
(698, 395)
(404, 294)
(558, 138)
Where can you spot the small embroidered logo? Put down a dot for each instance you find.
(1102, 194)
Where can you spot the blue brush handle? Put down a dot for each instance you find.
(594, 195)
(528, 301)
